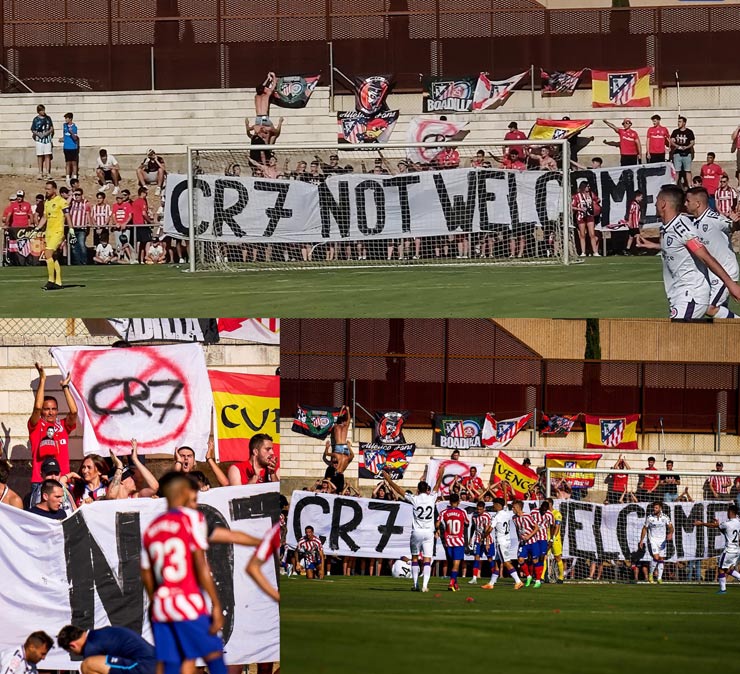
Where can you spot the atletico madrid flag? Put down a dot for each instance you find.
(557, 129)
(611, 432)
(499, 433)
(627, 88)
(244, 405)
(557, 83)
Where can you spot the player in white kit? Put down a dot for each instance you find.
(728, 560)
(502, 526)
(686, 262)
(714, 231)
(659, 531)
(422, 528)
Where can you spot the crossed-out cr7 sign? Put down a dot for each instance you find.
(159, 395)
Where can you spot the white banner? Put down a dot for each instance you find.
(359, 527)
(85, 570)
(164, 329)
(356, 207)
(258, 330)
(450, 470)
(159, 395)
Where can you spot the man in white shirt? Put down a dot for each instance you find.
(714, 231)
(23, 660)
(728, 560)
(107, 170)
(686, 262)
(659, 531)
(505, 552)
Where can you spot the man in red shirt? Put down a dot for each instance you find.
(512, 161)
(646, 489)
(710, 175)
(261, 466)
(515, 134)
(141, 220)
(19, 211)
(657, 141)
(121, 216)
(50, 436)
(630, 150)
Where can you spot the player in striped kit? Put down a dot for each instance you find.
(725, 197)
(265, 553)
(482, 539)
(544, 519)
(526, 527)
(175, 574)
(714, 231)
(311, 551)
(730, 557)
(502, 517)
(659, 531)
(451, 525)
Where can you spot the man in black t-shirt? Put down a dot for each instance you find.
(52, 497)
(682, 148)
(669, 483)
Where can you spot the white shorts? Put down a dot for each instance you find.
(422, 542)
(720, 295)
(151, 177)
(504, 552)
(656, 546)
(43, 149)
(728, 559)
(691, 310)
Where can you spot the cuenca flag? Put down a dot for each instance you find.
(259, 330)
(520, 478)
(245, 404)
(490, 93)
(579, 462)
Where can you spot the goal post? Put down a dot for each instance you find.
(604, 511)
(291, 206)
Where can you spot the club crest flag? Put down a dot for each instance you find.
(359, 127)
(159, 395)
(258, 330)
(443, 94)
(627, 88)
(557, 129)
(376, 459)
(494, 93)
(580, 477)
(457, 432)
(560, 83)
(245, 404)
(422, 130)
(315, 422)
(611, 432)
(389, 427)
(498, 434)
(449, 470)
(519, 477)
(293, 91)
(557, 425)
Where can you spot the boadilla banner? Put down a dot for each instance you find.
(458, 432)
(444, 94)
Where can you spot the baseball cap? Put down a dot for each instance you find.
(20, 193)
(50, 466)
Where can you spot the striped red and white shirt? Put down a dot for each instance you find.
(544, 521)
(454, 521)
(100, 214)
(525, 524)
(721, 483)
(481, 522)
(168, 546)
(310, 549)
(725, 199)
(634, 216)
(78, 211)
(270, 544)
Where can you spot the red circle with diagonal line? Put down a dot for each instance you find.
(146, 364)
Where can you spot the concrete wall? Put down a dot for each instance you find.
(127, 124)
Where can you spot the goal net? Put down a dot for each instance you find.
(604, 511)
(289, 206)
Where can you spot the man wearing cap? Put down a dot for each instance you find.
(720, 483)
(630, 150)
(152, 171)
(50, 470)
(121, 216)
(515, 134)
(658, 139)
(333, 166)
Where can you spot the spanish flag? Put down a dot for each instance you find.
(557, 129)
(244, 405)
(611, 432)
(579, 462)
(627, 88)
(520, 478)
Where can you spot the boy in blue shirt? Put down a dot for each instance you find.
(71, 147)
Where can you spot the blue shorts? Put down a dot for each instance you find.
(186, 640)
(526, 550)
(341, 449)
(487, 551)
(681, 163)
(455, 553)
(310, 566)
(126, 666)
(539, 548)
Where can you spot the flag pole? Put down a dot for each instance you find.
(531, 80)
(678, 93)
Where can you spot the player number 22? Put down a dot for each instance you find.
(424, 513)
(170, 559)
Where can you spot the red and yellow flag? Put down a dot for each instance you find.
(611, 432)
(579, 462)
(520, 478)
(244, 405)
(557, 129)
(623, 89)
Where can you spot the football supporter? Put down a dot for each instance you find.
(452, 523)
(19, 212)
(526, 529)
(634, 218)
(90, 483)
(711, 173)
(736, 150)
(648, 484)
(512, 160)
(658, 139)
(728, 561)
(80, 215)
(107, 171)
(152, 171)
(122, 215)
(504, 554)
(725, 197)
(332, 473)
(340, 447)
(482, 539)
(682, 147)
(261, 465)
(24, 659)
(669, 483)
(514, 133)
(584, 205)
(714, 232)
(630, 150)
(7, 495)
(473, 485)
(262, 100)
(546, 161)
(720, 483)
(48, 435)
(188, 632)
(141, 219)
(659, 531)
(42, 132)
(310, 553)
(104, 253)
(109, 650)
(685, 259)
(133, 481)
(71, 147)
(50, 505)
(50, 470)
(184, 461)
(56, 216)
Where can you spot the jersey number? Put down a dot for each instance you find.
(170, 559)
(506, 528)
(734, 537)
(453, 527)
(424, 513)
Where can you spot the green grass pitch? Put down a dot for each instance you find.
(366, 625)
(606, 287)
